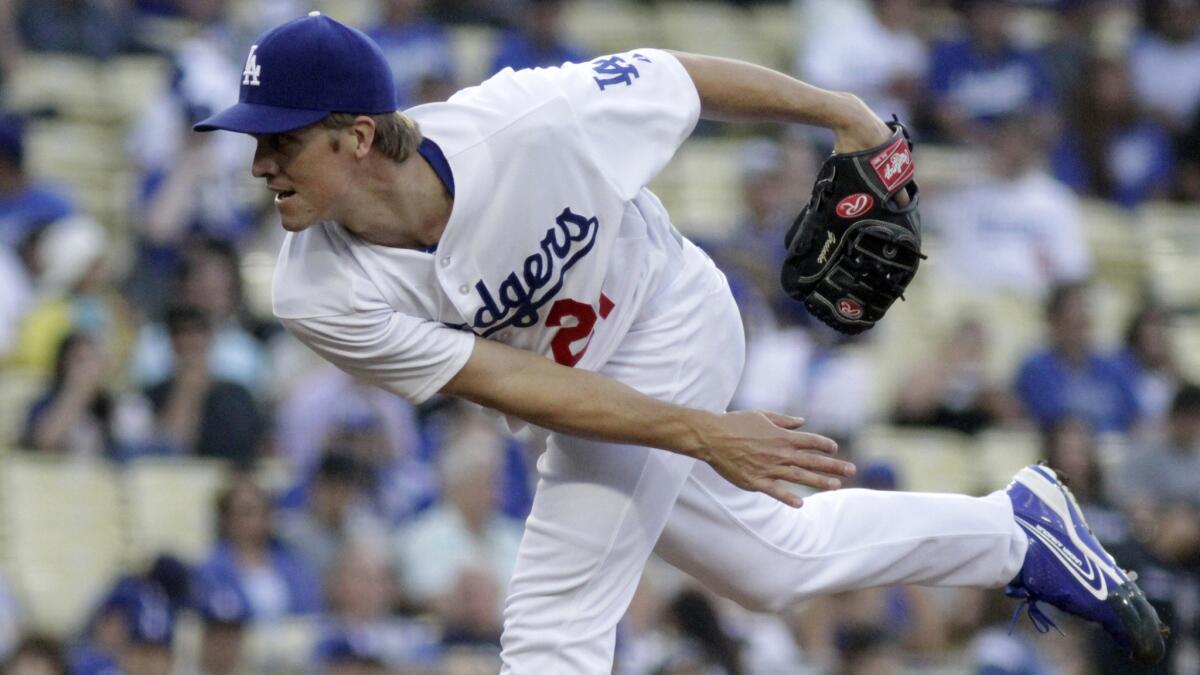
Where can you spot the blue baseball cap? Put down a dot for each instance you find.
(299, 72)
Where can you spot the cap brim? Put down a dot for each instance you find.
(256, 118)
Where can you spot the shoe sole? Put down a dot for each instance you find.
(1138, 618)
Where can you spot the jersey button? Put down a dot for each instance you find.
(464, 289)
(446, 261)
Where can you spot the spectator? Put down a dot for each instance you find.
(211, 281)
(266, 572)
(537, 39)
(461, 553)
(1016, 229)
(224, 612)
(35, 655)
(1149, 360)
(952, 389)
(697, 621)
(76, 293)
(188, 184)
(1166, 558)
(198, 414)
(10, 621)
(362, 593)
(25, 204)
(871, 49)
(16, 301)
(338, 512)
(372, 427)
(417, 48)
(131, 631)
(1069, 446)
(984, 76)
(810, 372)
(1165, 61)
(322, 402)
(1168, 471)
(1069, 377)
(1109, 148)
(769, 171)
(88, 27)
(79, 415)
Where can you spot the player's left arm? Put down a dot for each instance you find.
(736, 91)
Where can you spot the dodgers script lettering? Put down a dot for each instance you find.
(515, 301)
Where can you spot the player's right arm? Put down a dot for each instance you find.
(750, 449)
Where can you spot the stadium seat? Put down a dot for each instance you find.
(707, 189)
(1001, 452)
(282, 646)
(170, 506)
(1113, 237)
(1185, 338)
(69, 86)
(714, 28)
(132, 81)
(777, 27)
(473, 47)
(609, 27)
(18, 389)
(1171, 239)
(927, 460)
(62, 520)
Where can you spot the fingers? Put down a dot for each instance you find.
(783, 421)
(799, 476)
(815, 442)
(780, 493)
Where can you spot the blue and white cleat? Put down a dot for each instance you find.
(1067, 567)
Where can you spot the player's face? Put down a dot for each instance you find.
(308, 173)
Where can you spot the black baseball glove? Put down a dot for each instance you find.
(853, 249)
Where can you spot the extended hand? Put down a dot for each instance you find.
(754, 449)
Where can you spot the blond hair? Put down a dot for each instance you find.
(396, 135)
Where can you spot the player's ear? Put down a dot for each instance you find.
(363, 130)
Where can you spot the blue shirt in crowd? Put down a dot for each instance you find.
(988, 86)
(415, 51)
(1138, 160)
(516, 50)
(35, 206)
(1100, 392)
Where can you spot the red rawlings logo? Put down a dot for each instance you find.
(894, 164)
(849, 308)
(853, 206)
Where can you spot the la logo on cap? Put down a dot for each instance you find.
(250, 74)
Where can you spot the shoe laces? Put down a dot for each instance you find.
(1037, 617)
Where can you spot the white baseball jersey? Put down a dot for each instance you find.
(552, 244)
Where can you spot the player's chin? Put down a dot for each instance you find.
(294, 224)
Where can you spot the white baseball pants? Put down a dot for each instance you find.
(601, 509)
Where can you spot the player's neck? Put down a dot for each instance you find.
(403, 205)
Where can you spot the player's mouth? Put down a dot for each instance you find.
(282, 196)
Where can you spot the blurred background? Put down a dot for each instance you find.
(185, 489)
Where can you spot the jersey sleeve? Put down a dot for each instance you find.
(634, 110)
(411, 357)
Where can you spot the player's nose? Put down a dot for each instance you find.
(264, 164)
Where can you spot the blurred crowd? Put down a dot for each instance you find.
(395, 528)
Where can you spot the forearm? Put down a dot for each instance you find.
(575, 402)
(736, 91)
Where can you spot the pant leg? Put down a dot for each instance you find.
(599, 507)
(767, 556)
